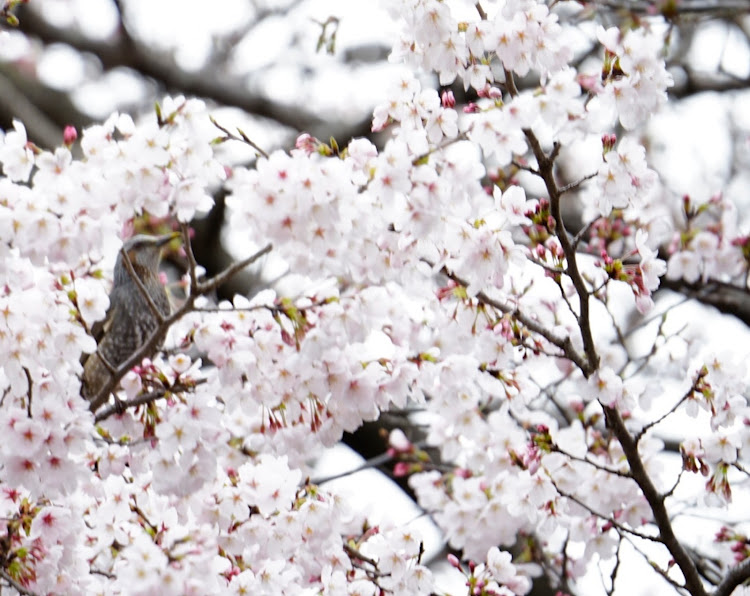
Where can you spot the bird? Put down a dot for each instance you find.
(130, 320)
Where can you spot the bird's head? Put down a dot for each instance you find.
(144, 253)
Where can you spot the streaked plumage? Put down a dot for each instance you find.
(129, 321)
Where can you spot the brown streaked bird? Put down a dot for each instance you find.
(130, 320)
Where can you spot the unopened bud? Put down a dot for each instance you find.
(608, 142)
(70, 134)
(447, 98)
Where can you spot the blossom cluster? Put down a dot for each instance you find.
(709, 244)
(415, 281)
(522, 34)
(634, 75)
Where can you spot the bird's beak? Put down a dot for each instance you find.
(167, 238)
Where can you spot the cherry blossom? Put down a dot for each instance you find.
(433, 274)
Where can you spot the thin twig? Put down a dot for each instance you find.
(144, 398)
(610, 520)
(643, 323)
(15, 585)
(576, 184)
(155, 338)
(229, 272)
(616, 568)
(242, 138)
(594, 464)
(373, 462)
(353, 552)
(526, 168)
(664, 574)
(30, 382)
(669, 412)
(446, 143)
(135, 509)
(670, 491)
(581, 233)
(564, 343)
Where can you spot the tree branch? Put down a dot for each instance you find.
(564, 343)
(615, 423)
(15, 585)
(713, 8)
(155, 338)
(736, 576)
(144, 399)
(210, 82)
(40, 129)
(546, 163)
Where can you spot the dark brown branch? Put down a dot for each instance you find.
(736, 576)
(40, 129)
(143, 399)
(727, 298)
(137, 510)
(715, 8)
(355, 554)
(211, 82)
(30, 390)
(615, 423)
(545, 164)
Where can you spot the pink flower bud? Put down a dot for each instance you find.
(448, 100)
(401, 469)
(462, 473)
(608, 142)
(70, 134)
